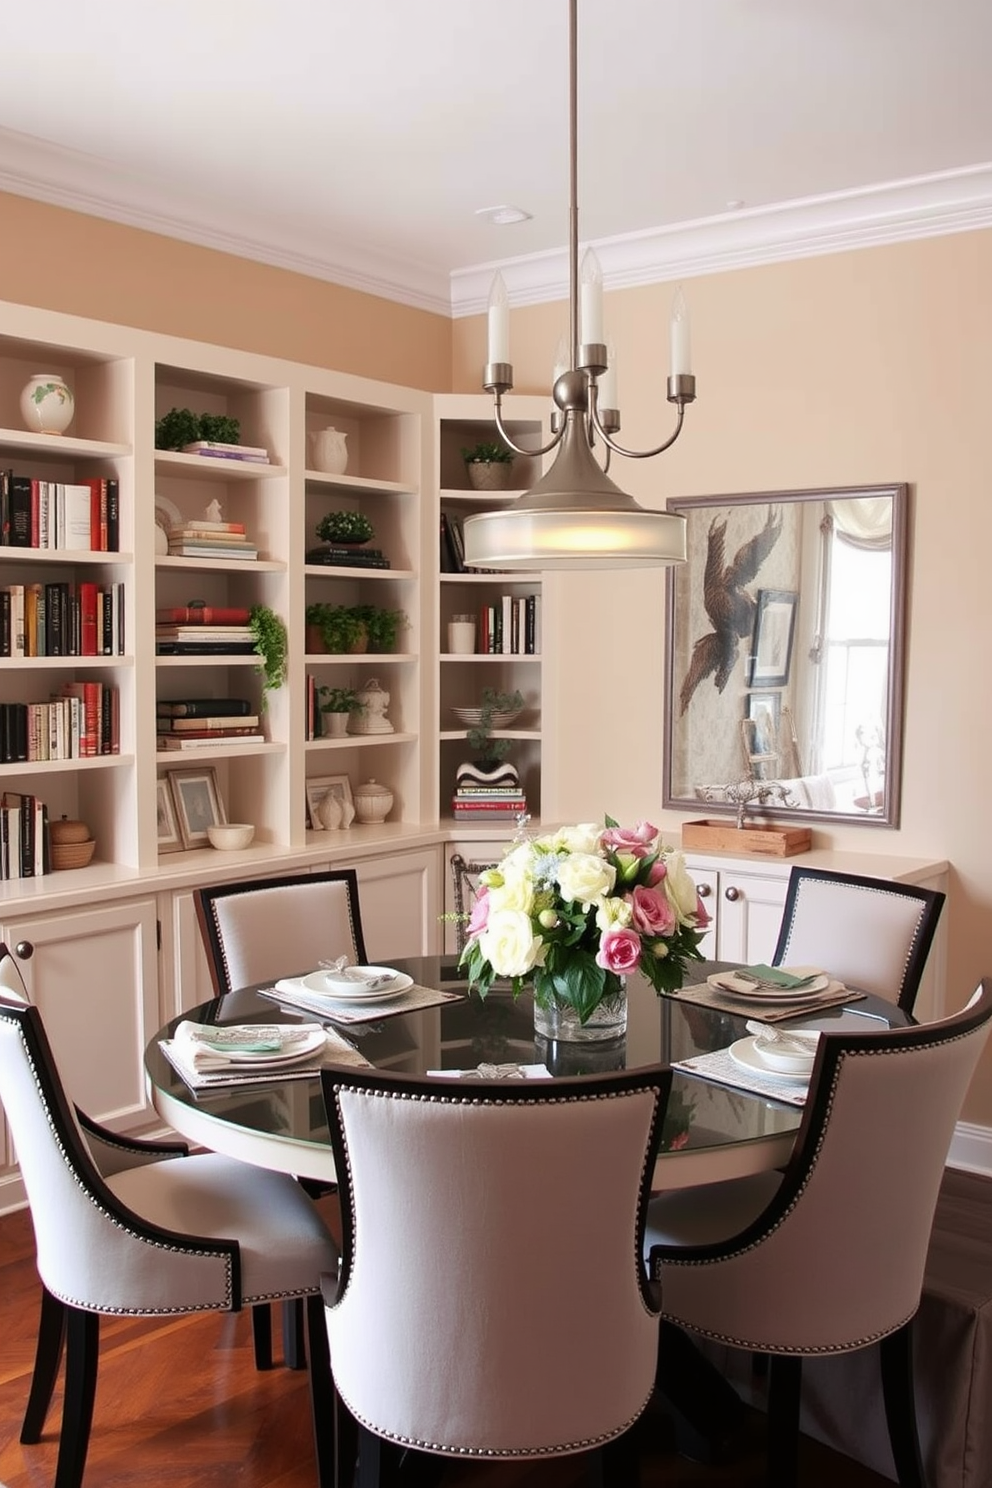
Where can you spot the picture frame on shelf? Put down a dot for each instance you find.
(318, 786)
(169, 839)
(774, 626)
(198, 804)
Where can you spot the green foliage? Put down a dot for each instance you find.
(480, 737)
(340, 625)
(488, 454)
(338, 700)
(181, 426)
(345, 527)
(272, 646)
(383, 626)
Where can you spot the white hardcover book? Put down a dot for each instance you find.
(77, 501)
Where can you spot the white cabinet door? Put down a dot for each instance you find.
(750, 913)
(94, 975)
(401, 904)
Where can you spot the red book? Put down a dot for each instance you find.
(203, 615)
(99, 515)
(89, 638)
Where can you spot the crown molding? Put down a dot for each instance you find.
(81, 183)
(925, 206)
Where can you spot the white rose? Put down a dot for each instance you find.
(585, 877)
(613, 914)
(583, 838)
(680, 889)
(509, 943)
(516, 891)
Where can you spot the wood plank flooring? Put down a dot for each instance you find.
(180, 1403)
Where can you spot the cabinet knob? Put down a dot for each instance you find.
(24, 949)
(703, 890)
(732, 894)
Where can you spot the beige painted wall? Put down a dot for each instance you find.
(82, 265)
(863, 367)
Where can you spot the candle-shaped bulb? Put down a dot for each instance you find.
(591, 300)
(608, 396)
(681, 347)
(499, 321)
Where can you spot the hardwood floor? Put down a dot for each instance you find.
(180, 1403)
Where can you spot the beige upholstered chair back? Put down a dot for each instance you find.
(271, 928)
(869, 933)
(837, 1257)
(492, 1300)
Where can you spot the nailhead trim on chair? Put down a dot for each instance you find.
(884, 893)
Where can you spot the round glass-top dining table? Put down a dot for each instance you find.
(711, 1132)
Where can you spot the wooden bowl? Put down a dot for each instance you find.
(72, 854)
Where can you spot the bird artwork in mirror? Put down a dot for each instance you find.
(784, 651)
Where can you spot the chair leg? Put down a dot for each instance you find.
(899, 1395)
(82, 1346)
(261, 1335)
(617, 1464)
(785, 1378)
(47, 1358)
(328, 1436)
(378, 1460)
(705, 1411)
(293, 1348)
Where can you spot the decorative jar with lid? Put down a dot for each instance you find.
(373, 802)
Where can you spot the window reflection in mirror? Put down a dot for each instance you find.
(784, 651)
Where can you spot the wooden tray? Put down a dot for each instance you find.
(765, 839)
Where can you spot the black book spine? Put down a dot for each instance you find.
(204, 707)
(113, 515)
(27, 836)
(20, 511)
(444, 552)
(106, 622)
(457, 544)
(4, 622)
(5, 478)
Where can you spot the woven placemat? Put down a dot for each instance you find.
(767, 1012)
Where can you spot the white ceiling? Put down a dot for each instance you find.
(356, 139)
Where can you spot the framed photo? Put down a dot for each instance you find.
(763, 711)
(197, 802)
(169, 839)
(318, 786)
(771, 651)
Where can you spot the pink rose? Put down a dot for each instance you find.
(619, 951)
(480, 913)
(657, 872)
(702, 914)
(651, 912)
(638, 841)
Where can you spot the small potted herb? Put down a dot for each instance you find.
(336, 629)
(181, 426)
(336, 706)
(345, 527)
(489, 466)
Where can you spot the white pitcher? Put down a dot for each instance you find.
(328, 451)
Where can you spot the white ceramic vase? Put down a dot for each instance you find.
(47, 404)
(329, 451)
(373, 802)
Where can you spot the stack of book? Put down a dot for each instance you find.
(204, 630)
(213, 449)
(495, 795)
(192, 723)
(202, 539)
(25, 849)
(334, 555)
(59, 515)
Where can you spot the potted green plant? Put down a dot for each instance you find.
(335, 628)
(489, 466)
(181, 426)
(382, 626)
(336, 706)
(494, 706)
(271, 645)
(345, 527)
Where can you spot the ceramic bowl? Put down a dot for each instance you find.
(230, 835)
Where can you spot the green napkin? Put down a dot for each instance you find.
(773, 976)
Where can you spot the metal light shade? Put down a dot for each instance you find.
(575, 517)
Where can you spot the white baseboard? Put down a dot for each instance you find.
(971, 1148)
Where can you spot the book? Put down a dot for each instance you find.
(20, 512)
(199, 445)
(209, 721)
(204, 633)
(205, 648)
(211, 550)
(230, 453)
(72, 525)
(330, 557)
(202, 614)
(196, 524)
(188, 741)
(202, 707)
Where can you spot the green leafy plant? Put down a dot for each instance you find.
(339, 700)
(345, 527)
(181, 426)
(272, 646)
(383, 626)
(488, 454)
(491, 704)
(341, 626)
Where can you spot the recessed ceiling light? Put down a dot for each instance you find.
(503, 215)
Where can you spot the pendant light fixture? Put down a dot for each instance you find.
(576, 516)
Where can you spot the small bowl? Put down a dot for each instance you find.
(72, 854)
(229, 835)
(788, 1061)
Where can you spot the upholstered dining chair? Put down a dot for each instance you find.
(276, 927)
(203, 1233)
(868, 932)
(828, 1256)
(488, 1332)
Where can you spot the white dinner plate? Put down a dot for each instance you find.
(320, 982)
(746, 1055)
(300, 1049)
(728, 981)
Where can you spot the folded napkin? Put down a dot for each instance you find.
(497, 1072)
(204, 1046)
(774, 976)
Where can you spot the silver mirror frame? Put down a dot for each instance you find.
(889, 815)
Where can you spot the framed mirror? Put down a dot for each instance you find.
(784, 653)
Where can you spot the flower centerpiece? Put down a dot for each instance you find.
(572, 913)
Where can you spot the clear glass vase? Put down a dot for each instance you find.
(557, 1020)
